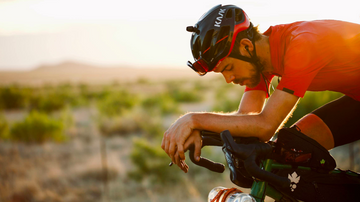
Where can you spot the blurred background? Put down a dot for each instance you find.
(87, 89)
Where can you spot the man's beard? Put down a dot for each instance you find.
(254, 78)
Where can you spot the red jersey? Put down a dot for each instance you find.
(316, 56)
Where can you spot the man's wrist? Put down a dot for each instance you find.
(195, 120)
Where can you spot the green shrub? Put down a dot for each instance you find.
(201, 86)
(226, 105)
(136, 121)
(181, 93)
(120, 125)
(186, 95)
(13, 97)
(37, 127)
(116, 103)
(160, 104)
(67, 94)
(4, 128)
(47, 103)
(143, 81)
(87, 94)
(227, 98)
(151, 163)
(152, 126)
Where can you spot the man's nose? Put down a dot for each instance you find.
(228, 77)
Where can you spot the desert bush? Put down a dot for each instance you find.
(46, 98)
(161, 103)
(116, 103)
(37, 127)
(152, 126)
(68, 94)
(184, 94)
(226, 104)
(150, 163)
(120, 125)
(4, 128)
(200, 86)
(13, 97)
(87, 93)
(136, 121)
(143, 81)
(47, 103)
(227, 98)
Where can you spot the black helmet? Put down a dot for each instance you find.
(213, 36)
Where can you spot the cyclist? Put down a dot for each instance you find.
(308, 55)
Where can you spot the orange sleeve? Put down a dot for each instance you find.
(303, 60)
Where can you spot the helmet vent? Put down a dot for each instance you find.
(229, 13)
(239, 16)
(196, 47)
(207, 41)
(222, 40)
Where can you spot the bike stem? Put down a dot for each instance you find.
(259, 188)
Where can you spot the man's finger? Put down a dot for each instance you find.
(166, 146)
(185, 167)
(180, 151)
(163, 143)
(171, 152)
(177, 159)
(197, 152)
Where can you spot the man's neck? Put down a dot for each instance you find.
(263, 53)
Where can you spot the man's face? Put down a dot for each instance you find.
(239, 72)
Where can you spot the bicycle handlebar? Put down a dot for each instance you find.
(249, 153)
(209, 139)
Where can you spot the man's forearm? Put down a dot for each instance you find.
(237, 124)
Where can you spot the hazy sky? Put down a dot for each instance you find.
(132, 33)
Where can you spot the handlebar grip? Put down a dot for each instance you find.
(209, 139)
(206, 163)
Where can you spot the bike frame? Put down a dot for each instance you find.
(260, 189)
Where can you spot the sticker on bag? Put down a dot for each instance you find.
(294, 180)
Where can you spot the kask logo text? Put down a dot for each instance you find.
(220, 17)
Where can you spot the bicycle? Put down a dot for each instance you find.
(253, 164)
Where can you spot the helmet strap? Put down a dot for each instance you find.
(254, 60)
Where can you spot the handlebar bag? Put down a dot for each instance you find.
(310, 185)
(295, 148)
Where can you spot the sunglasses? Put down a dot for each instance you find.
(199, 66)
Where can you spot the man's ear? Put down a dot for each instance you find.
(245, 46)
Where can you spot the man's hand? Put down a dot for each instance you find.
(176, 136)
(196, 141)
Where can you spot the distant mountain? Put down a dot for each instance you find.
(67, 66)
(74, 72)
